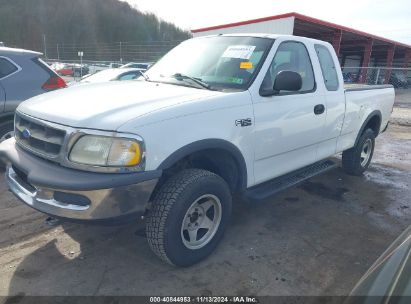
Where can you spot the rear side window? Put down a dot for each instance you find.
(291, 56)
(327, 67)
(6, 67)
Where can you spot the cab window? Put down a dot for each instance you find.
(291, 56)
(327, 67)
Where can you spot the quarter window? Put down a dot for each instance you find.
(6, 68)
(327, 67)
(291, 56)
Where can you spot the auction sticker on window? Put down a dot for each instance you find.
(239, 51)
(246, 65)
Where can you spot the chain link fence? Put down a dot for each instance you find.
(65, 58)
(400, 78)
(116, 51)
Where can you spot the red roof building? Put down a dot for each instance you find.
(354, 48)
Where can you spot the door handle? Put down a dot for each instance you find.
(319, 109)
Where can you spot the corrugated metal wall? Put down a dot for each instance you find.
(279, 26)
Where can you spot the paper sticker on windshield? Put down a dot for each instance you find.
(236, 80)
(246, 65)
(239, 51)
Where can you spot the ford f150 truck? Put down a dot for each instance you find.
(216, 116)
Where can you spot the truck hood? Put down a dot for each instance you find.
(108, 105)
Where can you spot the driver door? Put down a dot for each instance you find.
(287, 131)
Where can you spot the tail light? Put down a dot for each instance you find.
(54, 83)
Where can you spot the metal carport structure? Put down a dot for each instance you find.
(354, 47)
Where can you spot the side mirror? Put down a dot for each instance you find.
(287, 81)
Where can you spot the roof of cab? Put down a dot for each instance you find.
(15, 51)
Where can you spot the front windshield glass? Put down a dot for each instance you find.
(218, 62)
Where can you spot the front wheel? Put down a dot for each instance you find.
(357, 159)
(188, 217)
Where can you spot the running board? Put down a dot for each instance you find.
(261, 192)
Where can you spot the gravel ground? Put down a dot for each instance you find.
(314, 239)
(401, 116)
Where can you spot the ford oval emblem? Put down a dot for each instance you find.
(26, 133)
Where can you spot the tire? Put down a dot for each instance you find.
(6, 130)
(357, 159)
(171, 214)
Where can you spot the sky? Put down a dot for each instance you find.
(389, 19)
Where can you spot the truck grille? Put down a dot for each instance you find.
(38, 137)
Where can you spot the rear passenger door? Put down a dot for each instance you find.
(332, 87)
(26, 81)
(7, 69)
(287, 129)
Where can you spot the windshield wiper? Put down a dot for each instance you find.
(146, 78)
(198, 81)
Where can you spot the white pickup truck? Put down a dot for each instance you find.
(218, 115)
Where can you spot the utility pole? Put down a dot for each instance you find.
(58, 52)
(44, 45)
(81, 54)
(121, 54)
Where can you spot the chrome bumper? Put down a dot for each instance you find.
(119, 203)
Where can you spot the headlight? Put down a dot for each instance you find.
(106, 151)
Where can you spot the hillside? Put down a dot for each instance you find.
(95, 26)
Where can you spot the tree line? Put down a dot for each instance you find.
(99, 25)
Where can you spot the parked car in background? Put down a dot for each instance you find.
(65, 70)
(110, 75)
(144, 65)
(100, 66)
(389, 278)
(79, 71)
(22, 75)
(97, 67)
(114, 65)
(55, 66)
(75, 70)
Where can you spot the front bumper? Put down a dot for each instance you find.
(73, 194)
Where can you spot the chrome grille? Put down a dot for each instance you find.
(38, 136)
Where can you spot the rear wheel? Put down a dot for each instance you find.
(357, 159)
(188, 217)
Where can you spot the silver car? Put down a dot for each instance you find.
(22, 75)
(110, 75)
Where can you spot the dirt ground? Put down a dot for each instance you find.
(314, 239)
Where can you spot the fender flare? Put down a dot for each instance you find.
(369, 117)
(206, 144)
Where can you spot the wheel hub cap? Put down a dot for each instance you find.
(201, 221)
(366, 152)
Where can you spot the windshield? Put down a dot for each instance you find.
(220, 62)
